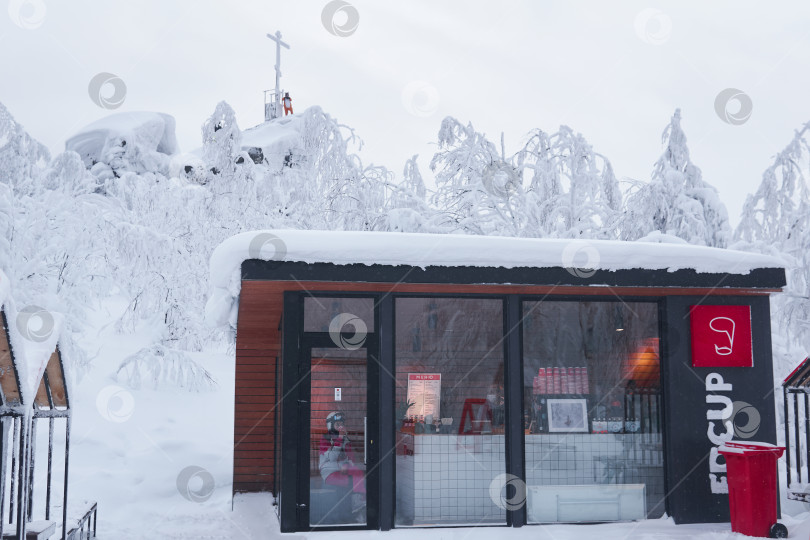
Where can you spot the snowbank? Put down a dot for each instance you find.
(137, 141)
(423, 250)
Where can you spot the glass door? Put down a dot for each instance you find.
(334, 432)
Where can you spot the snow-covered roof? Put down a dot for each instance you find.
(423, 250)
(31, 353)
(451, 250)
(33, 334)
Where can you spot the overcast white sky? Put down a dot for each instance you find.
(614, 71)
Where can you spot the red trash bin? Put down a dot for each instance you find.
(752, 487)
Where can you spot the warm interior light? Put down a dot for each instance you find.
(642, 365)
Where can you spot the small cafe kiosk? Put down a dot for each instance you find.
(489, 380)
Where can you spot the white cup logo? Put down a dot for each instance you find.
(195, 484)
(580, 260)
(98, 87)
(35, 323)
(340, 18)
(500, 179)
(751, 417)
(653, 26)
(499, 488)
(115, 404)
(27, 14)
(723, 325)
(336, 329)
(420, 98)
(257, 247)
(744, 106)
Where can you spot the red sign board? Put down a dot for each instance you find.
(424, 376)
(721, 336)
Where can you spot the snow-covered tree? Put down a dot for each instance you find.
(407, 208)
(477, 189)
(776, 220)
(676, 200)
(222, 140)
(573, 192)
(74, 231)
(21, 156)
(169, 226)
(772, 212)
(570, 192)
(52, 232)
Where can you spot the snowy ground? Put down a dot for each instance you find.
(253, 518)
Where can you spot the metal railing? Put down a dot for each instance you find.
(12, 472)
(797, 441)
(86, 527)
(272, 104)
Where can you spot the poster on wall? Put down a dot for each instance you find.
(425, 392)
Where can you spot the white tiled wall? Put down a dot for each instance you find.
(447, 479)
(598, 458)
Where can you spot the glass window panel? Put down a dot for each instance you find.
(592, 403)
(338, 419)
(450, 411)
(347, 315)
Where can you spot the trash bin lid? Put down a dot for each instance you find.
(739, 447)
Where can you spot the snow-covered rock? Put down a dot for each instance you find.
(188, 166)
(275, 142)
(127, 141)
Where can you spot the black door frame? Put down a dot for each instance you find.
(295, 414)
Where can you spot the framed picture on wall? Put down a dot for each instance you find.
(567, 415)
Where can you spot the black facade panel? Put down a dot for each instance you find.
(290, 445)
(387, 383)
(254, 269)
(513, 385)
(688, 448)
